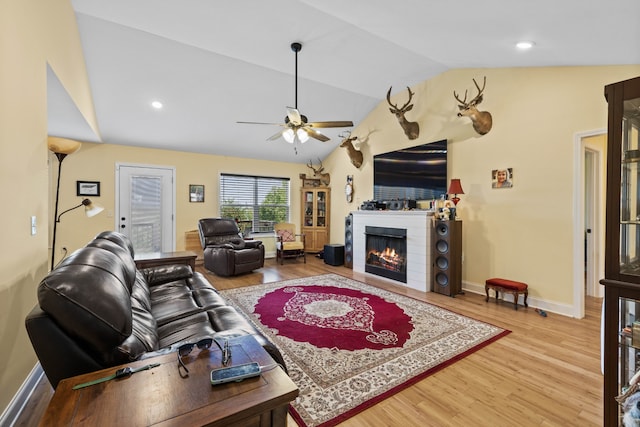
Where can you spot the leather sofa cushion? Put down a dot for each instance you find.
(128, 264)
(187, 329)
(208, 298)
(169, 273)
(223, 318)
(119, 239)
(143, 339)
(169, 309)
(89, 297)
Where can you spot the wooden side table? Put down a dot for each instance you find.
(160, 396)
(192, 243)
(155, 259)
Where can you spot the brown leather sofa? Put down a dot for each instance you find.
(97, 310)
(226, 253)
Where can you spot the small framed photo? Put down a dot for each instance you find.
(88, 188)
(502, 178)
(196, 193)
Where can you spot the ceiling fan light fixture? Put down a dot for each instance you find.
(302, 136)
(288, 135)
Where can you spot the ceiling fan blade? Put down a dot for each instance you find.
(294, 116)
(261, 123)
(334, 124)
(275, 136)
(315, 134)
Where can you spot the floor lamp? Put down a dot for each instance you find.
(61, 147)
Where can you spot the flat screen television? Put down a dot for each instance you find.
(418, 173)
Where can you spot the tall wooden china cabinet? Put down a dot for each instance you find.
(315, 217)
(622, 246)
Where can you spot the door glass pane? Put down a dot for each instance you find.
(146, 204)
(308, 209)
(322, 209)
(630, 189)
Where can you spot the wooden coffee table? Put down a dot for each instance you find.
(155, 259)
(160, 396)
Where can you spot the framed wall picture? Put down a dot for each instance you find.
(88, 188)
(196, 193)
(502, 178)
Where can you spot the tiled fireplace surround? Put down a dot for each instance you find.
(419, 227)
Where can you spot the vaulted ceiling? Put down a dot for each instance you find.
(214, 63)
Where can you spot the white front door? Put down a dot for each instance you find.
(145, 206)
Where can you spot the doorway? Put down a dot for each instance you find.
(589, 229)
(145, 206)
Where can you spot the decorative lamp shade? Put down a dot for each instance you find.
(91, 209)
(63, 145)
(455, 187)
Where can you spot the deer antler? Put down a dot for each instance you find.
(455, 95)
(402, 109)
(478, 99)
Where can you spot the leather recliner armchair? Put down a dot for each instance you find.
(226, 253)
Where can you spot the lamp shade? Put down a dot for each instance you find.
(91, 209)
(63, 145)
(455, 187)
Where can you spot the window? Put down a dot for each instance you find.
(256, 202)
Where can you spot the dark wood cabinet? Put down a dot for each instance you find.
(622, 245)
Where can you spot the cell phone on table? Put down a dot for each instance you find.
(235, 373)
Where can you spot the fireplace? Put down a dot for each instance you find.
(386, 252)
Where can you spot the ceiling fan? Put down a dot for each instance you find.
(296, 126)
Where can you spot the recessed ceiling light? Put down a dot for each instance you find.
(156, 104)
(524, 45)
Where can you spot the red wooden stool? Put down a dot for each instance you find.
(507, 287)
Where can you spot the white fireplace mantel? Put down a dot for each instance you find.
(418, 224)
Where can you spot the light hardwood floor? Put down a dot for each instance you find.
(545, 373)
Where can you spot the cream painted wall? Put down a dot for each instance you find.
(97, 162)
(524, 233)
(32, 33)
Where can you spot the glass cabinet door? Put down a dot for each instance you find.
(321, 209)
(629, 342)
(308, 208)
(629, 189)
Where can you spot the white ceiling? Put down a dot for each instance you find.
(213, 63)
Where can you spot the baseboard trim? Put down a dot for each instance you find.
(16, 406)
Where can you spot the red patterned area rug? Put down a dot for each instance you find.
(349, 345)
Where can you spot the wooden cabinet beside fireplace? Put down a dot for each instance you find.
(315, 217)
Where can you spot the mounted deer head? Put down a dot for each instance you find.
(355, 155)
(325, 178)
(482, 120)
(411, 129)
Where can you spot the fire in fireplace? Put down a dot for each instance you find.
(386, 252)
